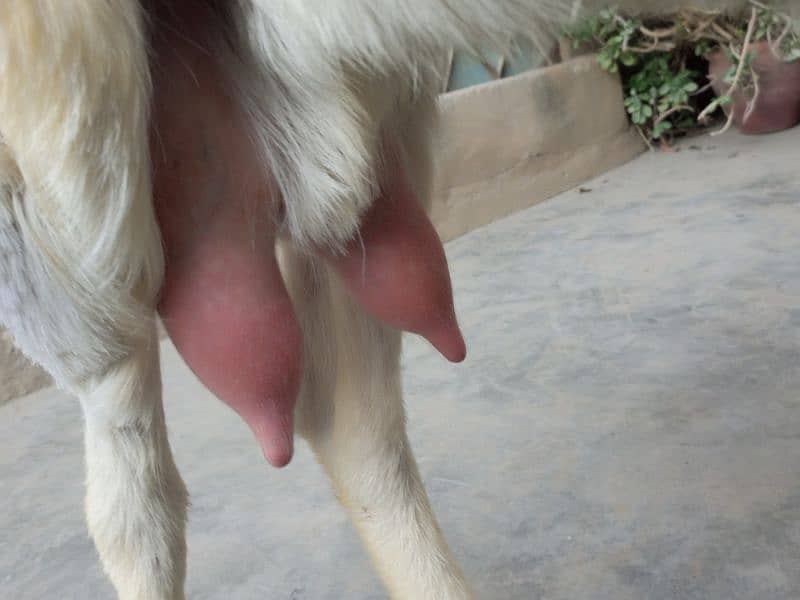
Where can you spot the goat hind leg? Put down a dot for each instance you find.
(136, 501)
(81, 264)
(351, 412)
(135, 498)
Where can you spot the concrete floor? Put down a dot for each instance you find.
(626, 427)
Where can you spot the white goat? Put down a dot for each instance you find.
(297, 124)
(271, 120)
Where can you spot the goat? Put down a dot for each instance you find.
(169, 155)
(258, 172)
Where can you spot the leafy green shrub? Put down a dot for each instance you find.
(661, 61)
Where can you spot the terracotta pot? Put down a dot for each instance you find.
(778, 103)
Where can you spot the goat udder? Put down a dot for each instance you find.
(397, 271)
(223, 302)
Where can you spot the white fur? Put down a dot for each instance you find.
(334, 72)
(78, 292)
(81, 259)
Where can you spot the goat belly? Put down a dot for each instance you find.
(397, 271)
(223, 302)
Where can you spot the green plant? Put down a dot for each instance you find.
(613, 32)
(777, 29)
(658, 85)
(765, 25)
(659, 96)
(663, 81)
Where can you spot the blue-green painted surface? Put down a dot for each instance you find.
(467, 71)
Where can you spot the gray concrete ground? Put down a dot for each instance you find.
(627, 425)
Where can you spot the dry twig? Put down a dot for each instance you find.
(751, 27)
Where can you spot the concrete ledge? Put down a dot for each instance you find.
(17, 375)
(502, 147)
(510, 144)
